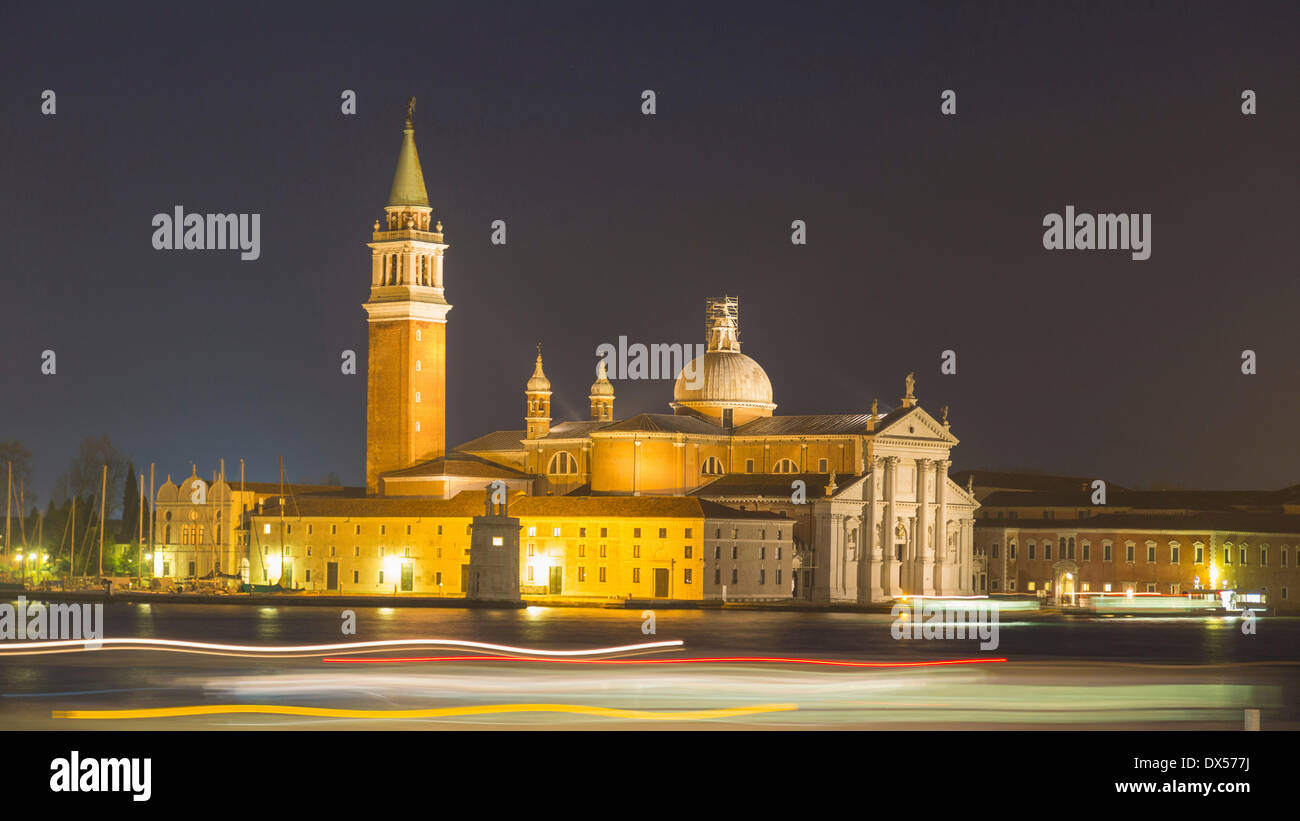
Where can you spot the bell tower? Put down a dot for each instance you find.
(407, 317)
(537, 417)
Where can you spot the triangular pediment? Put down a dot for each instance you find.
(916, 423)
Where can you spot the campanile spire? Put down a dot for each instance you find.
(407, 317)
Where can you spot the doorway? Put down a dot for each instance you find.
(661, 582)
(556, 581)
(332, 576)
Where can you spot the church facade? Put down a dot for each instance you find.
(849, 507)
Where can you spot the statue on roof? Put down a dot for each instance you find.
(410, 111)
(911, 385)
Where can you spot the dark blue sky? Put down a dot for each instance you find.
(924, 231)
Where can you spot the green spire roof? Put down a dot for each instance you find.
(408, 182)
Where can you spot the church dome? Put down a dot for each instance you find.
(724, 378)
(723, 384)
(602, 386)
(538, 383)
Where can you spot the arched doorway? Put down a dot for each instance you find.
(1065, 583)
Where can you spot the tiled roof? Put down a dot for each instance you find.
(1220, 521)
(576, 430)
(713, 510)
(1205, 500)
(771, 485)
(496, 440)
(458, 464)
(832, 424)
(1012, 480)
(666, 423)
(468, 503)
(607, 506)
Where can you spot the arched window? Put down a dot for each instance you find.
(563, 463)
(785, 466)
(711, 467)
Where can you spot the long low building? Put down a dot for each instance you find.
(1058, 543)
(628, 547)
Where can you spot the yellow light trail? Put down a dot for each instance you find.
(31, 648)
(444, 712)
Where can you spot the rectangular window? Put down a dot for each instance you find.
(1284, 557)
(1227, 555)
(636, 575)
(532, 550)
(1011, 550)
(686, 576)
(995, 550)
(778, 576)
(717, 576)
(437, 578)
(1243, 555)
(1128, 552)
(749, 465)
(408, 530)
(308, 576)
(357, 531)
(356, 550)
(734, 575)
(663, 533)
(688, 533)
(734, 552)
(530, 572)
(762, 551)
(356, 576)
(603, 553)
(439, 530)
(822, 466)
(1031, 550)
(383, 530)
(762, 576)
(1047, 550)
(532, 530)
(582, 551)
(1173, 554)
(381, 577)
(717, 551)
(1151, 554)
(334, 529)
(1087, 551)
(636, 533)
(582, 573)
(1105, 552)
(687, 551)
(604, 531)
(555, 531)
(602, 574)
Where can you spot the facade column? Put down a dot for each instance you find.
(872, 544)
(923, 560)
(941, 567)
(891, 514)
(968, 553)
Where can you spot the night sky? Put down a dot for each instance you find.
(924, 231)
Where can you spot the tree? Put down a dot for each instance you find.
(130, 507)
(82, 477)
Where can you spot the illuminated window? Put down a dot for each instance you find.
(417, 365)
(417, 397)
(532, 530)
(497, 541)
(582, 573)
(686, 576)
(417, 335)
(563, 463)
(530, 572)
(555, 531)
(1030, 587)
(266, 528)
(532, 550)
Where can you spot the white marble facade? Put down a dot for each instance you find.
(902, 527)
